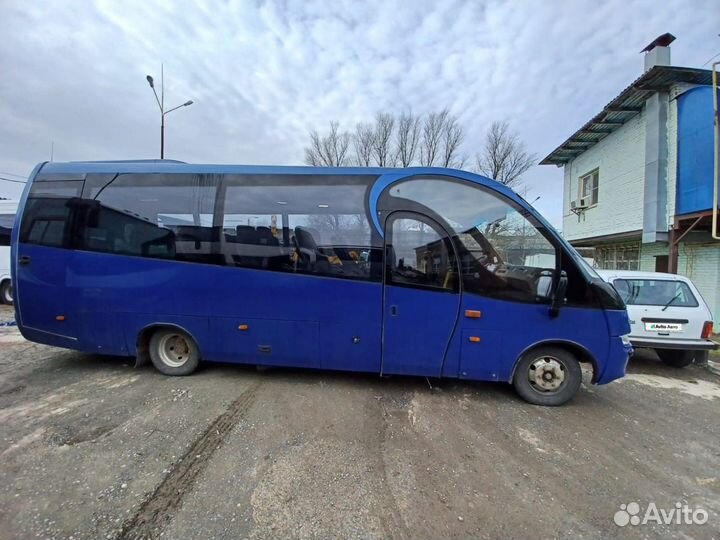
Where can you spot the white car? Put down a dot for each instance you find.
(667, 313)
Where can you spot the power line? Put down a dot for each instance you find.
(14, 181)
(13, 174)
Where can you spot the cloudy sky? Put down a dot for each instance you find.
(263, 73)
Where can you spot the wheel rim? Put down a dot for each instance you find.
(174, 350)
(547, 375)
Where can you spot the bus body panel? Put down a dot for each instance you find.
(506, 329)
(42, 278)
(307, 321)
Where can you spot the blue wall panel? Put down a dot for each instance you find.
(695, 151)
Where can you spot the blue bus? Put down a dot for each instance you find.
(421, 271)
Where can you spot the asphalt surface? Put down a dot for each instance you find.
(94, 448)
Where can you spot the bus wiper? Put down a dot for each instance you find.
(671, 301)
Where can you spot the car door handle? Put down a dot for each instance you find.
(24, 260)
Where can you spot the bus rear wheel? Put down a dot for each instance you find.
(6, 292)
(547, 376)
(173, 352)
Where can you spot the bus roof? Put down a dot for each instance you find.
(172, 166)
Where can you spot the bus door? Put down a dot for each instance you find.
(421, 298)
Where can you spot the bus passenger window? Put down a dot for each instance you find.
(151, 215)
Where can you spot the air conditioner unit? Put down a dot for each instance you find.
(573, 205)
(582, 202)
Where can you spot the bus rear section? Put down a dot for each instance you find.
(423, 272)
(7, 219)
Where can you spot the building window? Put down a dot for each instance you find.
(588, 186)
(618, 257)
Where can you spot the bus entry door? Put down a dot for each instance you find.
(421, 295)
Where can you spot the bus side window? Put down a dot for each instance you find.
(305, 224)
(44, 222)
(152, 215)
(47, 212)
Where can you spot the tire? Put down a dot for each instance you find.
(675, 358)
(6, 292)
(560, 379)
(702, 357)
(173, 352)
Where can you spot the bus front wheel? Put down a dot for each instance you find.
(173, 352)
(547, 376)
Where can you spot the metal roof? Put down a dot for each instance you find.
(625, 106)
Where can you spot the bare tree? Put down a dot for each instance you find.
(407, 137)
(504, 157)
(432, 132)
(363, 143)
(382, 141)
(452, 137)
(329, 150)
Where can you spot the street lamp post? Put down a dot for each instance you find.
(161, 103)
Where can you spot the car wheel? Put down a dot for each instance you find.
(173, 352)
(6, 292)
(547, 376)
(675, 358)
(702, 357)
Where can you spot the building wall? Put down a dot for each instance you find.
(701, 263)
(620, 158)
(672, 144)
(648, 252)
(695, 150)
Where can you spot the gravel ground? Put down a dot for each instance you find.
(94, 448)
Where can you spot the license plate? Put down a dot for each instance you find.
(663, 327)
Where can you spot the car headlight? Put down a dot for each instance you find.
(626, 340)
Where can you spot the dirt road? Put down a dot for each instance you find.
(93, 448)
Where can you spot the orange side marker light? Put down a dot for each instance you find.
(243, 327)
(473, 314)
(474, 339)
(60, 318)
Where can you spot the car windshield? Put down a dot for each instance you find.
(655, 292)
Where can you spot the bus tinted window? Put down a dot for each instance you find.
(47, 210)
(151, 215)
(6, 225)
(302, 224)
(503, 252)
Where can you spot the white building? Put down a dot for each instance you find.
(638, 176)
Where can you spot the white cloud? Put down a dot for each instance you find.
(263, 73)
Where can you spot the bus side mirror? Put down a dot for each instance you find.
(558, 297)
